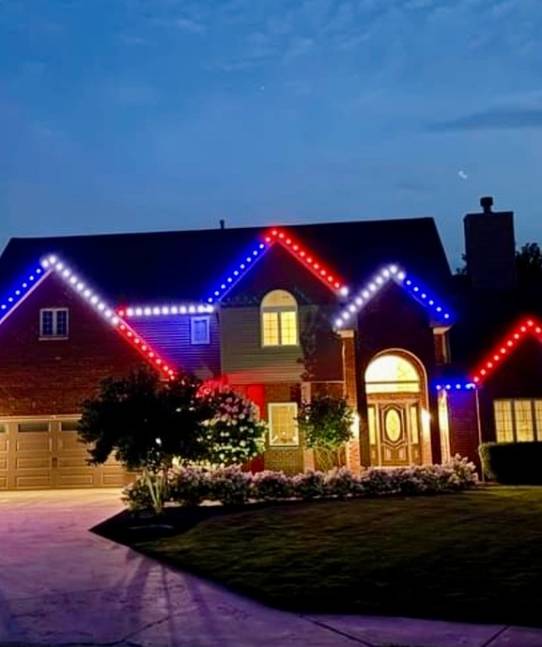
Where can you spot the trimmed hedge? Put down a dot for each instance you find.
(230, 486)
(512, 463)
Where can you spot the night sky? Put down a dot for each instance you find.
(125, 115)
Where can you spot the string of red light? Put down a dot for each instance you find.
(528, 326)
(308, 259)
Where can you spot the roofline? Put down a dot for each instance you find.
(517, 333)
(262, 227)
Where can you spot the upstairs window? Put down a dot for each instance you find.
(54, 323)
(279, 319)
(200, 332)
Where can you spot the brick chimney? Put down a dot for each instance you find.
(490, 248)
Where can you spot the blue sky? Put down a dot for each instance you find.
(126, 115)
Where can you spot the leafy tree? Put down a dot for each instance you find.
(326, 422)
(145, 423)
(529, 265)
(148, 424)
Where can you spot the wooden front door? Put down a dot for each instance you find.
(394, 431)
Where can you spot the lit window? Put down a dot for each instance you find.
(283, 424)
(518, 420)
(392, 374)
(54, 323)
(279, 319)
(200, 330)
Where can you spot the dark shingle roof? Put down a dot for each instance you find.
(188, 264)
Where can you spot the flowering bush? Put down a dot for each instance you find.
(309, 485)
(189, 485)
(234, 433)
(270, 486)
(341, 482)
(229, 485)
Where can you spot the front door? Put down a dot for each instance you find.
(394, 432)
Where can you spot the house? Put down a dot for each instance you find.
(368, 309)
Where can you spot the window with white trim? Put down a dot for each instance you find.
(279, 321)
(283, 429)
(518, 420)
(54, 323)
(200, 330)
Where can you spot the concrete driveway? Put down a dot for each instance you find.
(60, 583)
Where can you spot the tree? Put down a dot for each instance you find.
(147, 424)
(326, 422)
(529, 266)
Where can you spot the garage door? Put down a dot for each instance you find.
(45, 453)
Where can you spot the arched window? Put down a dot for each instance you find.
(279, 319)
(392, 374)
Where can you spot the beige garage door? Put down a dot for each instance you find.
(45, 453)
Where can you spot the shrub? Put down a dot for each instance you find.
(512, 463)
(341, 482)
(309, 485)
(230, 485)
(270, 486)
(188, 486)
(137, 496)
(326, 423)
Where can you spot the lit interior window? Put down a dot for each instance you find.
(283, 424)
(392, 374)
(518, 420)
(279, 319)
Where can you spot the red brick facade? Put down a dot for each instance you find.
(51, 377)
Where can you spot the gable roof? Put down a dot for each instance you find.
(303, 255)
(394, 273)
(186, 265)
(527, 327)
(52, 264)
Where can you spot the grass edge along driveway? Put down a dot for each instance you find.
(474, 556)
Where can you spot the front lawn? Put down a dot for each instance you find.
(474, 556)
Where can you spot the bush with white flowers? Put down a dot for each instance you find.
(234, 433)
(230, 485)
(271, 486)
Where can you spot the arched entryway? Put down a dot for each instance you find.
(396, 389)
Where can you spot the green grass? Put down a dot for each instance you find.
(474, 556)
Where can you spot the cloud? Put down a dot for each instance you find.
(493, 119)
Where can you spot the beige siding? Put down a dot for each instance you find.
(243, 357)
(246, 361)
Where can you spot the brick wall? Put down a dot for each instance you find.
(53, 377)
(463, 423)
